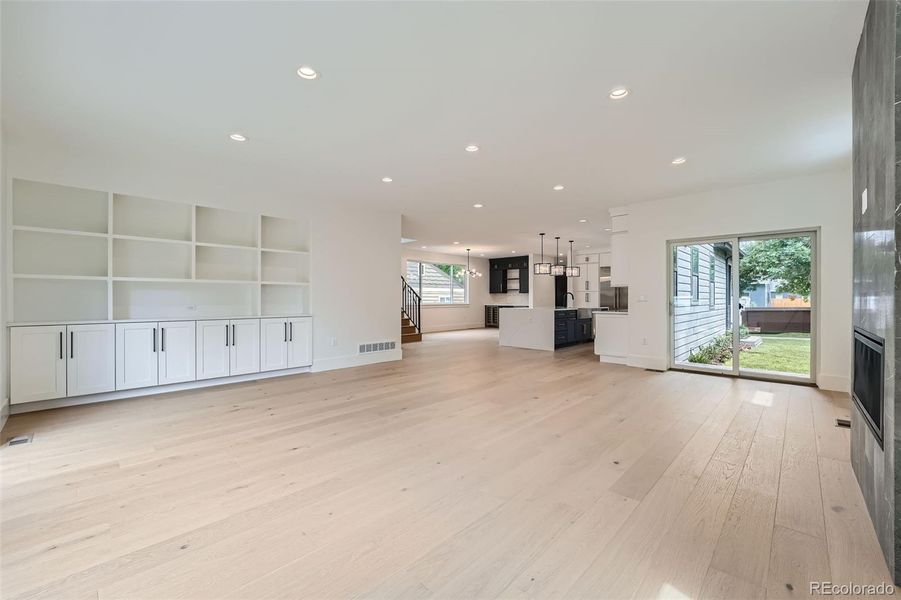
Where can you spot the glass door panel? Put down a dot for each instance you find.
(702, 306)
(776, 305)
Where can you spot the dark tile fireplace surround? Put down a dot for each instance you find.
(876, 101)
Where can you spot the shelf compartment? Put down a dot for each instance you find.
(37, 253)
(284, 234)
(182, 300)
(59, 300)
(145, 259)
(59, 207)
(232, 264)
(285, 299)
(285, 268)
(220, 226)
(148, 218)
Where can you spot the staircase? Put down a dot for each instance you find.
(410, 324)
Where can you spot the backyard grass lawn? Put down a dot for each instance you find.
(786, 353)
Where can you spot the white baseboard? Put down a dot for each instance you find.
(356, 360)
(655, 363)
(453, 327)
(835, 383)
(615, 360)
(149, 391)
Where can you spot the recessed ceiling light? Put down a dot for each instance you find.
(618, 93)
(387, 179)
(456, 242)
(238, 137)
(472, 148)
(607, 229)
(423, 247)
(307, 72)
(512, 251)
(561, 254)
(558, 187)
(481, 255)
(588, 245)
(477, 205)
(679, 160)
(583, 220)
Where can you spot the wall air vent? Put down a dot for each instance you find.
(376, 347)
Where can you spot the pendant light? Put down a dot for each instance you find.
(572, 271)
(542, 268)
(557, 269)
(469, 270)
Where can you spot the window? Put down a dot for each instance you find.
(695, 281)
(711, 281)
(438, 283)
(675, 272)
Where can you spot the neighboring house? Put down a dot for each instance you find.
(701, 294)
(435, 285)
(765, 294)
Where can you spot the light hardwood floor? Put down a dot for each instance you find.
(464, 471)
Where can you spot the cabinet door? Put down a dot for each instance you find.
(37, 361)
(245, 346)
(604, 259)
(212, 349)
(136, 355)
(524, 281)
(497, 281)
(177, 360)
(619, 260)
(589, 279)
(300, 342)
(91, 366)
(273, 344)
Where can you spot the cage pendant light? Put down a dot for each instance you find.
(572, 271)
(469, 270)
(557, 269)
(542, 268)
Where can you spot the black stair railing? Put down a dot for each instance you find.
(411, 303)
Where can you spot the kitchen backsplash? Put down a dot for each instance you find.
(509, 298)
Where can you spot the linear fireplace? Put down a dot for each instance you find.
(869, 376)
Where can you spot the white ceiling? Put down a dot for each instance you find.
(746, 90)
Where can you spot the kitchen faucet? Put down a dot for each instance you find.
(567, 300)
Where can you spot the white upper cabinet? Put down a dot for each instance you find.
(273, 344)
(177, 352)
(91, 364)
(213, 349)
(37, 363)
(244, 346)
(300, 342)
(604, 259)
(136, 355)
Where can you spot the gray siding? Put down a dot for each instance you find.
(696, 323)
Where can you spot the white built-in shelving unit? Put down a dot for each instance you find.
(78, 255)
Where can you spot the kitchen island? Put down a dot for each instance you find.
(611, 336)
(542, 328)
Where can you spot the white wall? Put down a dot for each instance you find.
(4, 388)
(822, 200)
(452, 317)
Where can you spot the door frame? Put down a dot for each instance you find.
(735, 240)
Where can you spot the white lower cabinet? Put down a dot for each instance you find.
(244, 349)
(177, 353)
(56, 361)
(212, 349)
(273, 344)
(37, 363)
(136, 355)
(228, 348)
(300, 342)
(91, 366)
(286, 343)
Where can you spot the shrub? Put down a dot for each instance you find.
(715, 352)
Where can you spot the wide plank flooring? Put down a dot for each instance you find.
(464, 471)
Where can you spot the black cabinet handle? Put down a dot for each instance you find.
(286, 331)
(233, 335)
(290, 331)
(154, 339)
(162, 339)
(61, 345)
(71, 344)
(226, 334)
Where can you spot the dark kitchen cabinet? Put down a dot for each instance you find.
(569, 329)
(524, 280)
(497, 281)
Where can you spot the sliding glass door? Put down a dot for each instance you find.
(744, 305)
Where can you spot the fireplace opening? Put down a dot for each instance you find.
(869, 375)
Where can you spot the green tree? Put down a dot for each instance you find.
(783, 260)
